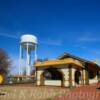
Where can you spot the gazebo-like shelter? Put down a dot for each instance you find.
(67, 70)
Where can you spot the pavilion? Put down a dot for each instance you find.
(67, 71)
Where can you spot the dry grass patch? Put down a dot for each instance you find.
(31, 92)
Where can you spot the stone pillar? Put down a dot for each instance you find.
(73, 76)
(86, 77)
(38, 78)
(82, 77)
(66, 77)
(96, 78)
(70, 77)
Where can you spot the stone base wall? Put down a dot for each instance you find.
(52, 82)
(95, 80)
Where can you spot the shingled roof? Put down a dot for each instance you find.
(68, 55)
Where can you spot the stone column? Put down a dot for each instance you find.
(70, 77)
(96, 78)
(73, 76)
(66, 77)
(38, 78)
(82, 77)
(86, 77)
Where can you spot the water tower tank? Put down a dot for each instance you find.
(30, 39)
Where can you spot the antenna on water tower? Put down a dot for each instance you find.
(29, 43)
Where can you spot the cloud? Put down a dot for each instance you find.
(88, 39)
(14, 68)
(49, 41)
(14, 65)
(96, 52)
(15, 36)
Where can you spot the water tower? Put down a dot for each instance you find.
(28, 43)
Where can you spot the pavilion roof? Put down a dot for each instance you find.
(65, 59)
(58, 62)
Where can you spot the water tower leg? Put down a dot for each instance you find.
(28, 61)
(35, 58)
(35, 53)
(20, 60)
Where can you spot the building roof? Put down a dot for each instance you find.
(70, 60)
(67, 55)
(89, 63)
(58, 62)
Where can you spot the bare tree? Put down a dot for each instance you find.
(4, 63)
